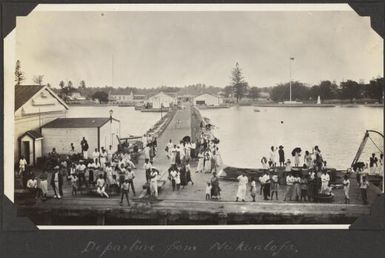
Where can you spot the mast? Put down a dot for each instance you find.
(291, 59)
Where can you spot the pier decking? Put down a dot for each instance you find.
(188, 205)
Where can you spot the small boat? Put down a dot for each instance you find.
(257, 110)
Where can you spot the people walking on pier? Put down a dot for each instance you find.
(373, 164)
(173, 175)
(346, 184)
(124, 192)
(182, 174)
(188, 174)
(57, 182)
(297, 186)
(146, 152)
(304, 187)
(169, 148)
(207, 161)
(200, 162)
(274, 186)
(215, 190)
(289, 186)
(364, 184)
(308, 160)
(130, 176)
(273, 156)
(147, 168)
(84, 147)
(22, 165)
(101, 187)
(208, 191)
(325, 178)
(281, 155)
(253, 189)
(242, 186)
(264, 163)
(96, 156)
(44, 184)
(154, 183)
(265, 181)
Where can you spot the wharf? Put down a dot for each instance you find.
(188, 206)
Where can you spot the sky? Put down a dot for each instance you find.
(150, 49)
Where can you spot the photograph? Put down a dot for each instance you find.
(202, 116)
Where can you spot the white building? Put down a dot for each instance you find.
(161, 100)
(35, 106)
(121, 98)
(208, 100)
(98, 131)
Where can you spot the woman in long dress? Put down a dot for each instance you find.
(242, 184)
(218, 158)
(296, 159)
(207, 162)
(200, 162)
(215, 189)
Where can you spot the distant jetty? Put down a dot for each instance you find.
(294, 105)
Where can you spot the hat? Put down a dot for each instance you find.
(280, 146)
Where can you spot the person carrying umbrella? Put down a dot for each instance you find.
(296, 153)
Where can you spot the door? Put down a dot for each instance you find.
(26, 151)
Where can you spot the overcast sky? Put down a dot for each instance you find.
(180, 48)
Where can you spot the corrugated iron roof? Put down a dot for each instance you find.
(24, 92)
(79, 122)
(33, 134)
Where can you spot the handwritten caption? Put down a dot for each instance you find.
(105, 249)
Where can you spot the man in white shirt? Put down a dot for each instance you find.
(96, 156)
(289, 186)
(22, 165)
(32, 187)
(147, 168)
(129, 176)
(265, 182)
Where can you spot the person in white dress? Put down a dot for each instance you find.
(103, 158)
(22, 165)
(154, 183)
(169, 148)
(325, 178)
(273, 156)
(242, 186)
(200, 163)
(96, 156)
(218, 158)
(207, 162)
(346, 184)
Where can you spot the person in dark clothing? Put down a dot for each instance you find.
(183, 178)
(281, 154)
(84, 147)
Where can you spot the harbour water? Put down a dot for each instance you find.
(132, 122)
(246, 136)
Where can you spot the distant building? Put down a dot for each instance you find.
(76, 96)
(120, 98)
(208, 100)
(98, 131)
(35, 106)
(161, 100)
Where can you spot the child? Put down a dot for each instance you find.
(101, 186)
(208, 191)
(288, 165)
(253, 190)
(346, 184)
(304, 182)
(274, 186)
(124, 187)
(74, 183)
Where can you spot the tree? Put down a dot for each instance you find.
(350, 90)
(328, 90)
(101, 96)
(49, 85)
(62, 85)
(299, 91)
(375, 89)
(69, 85)
(254, 93)
(38, 79)
(19, 75)
(82, 85)
(238, 82)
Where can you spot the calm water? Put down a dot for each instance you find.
(246, 136)
(132, 122)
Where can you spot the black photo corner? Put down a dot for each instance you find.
(20, 237)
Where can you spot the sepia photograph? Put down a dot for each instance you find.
(193, 115)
